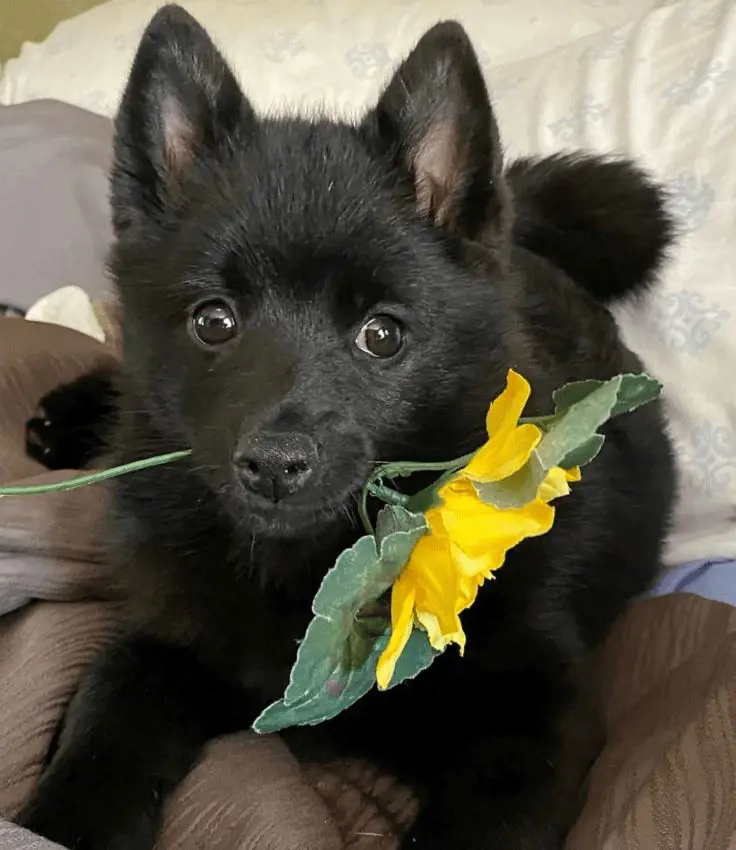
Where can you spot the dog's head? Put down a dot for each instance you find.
(299, 302)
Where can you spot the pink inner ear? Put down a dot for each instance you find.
(179, 137)
(437, 168)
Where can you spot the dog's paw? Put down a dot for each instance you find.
(50, 827)
(73, 422)
(80, 823)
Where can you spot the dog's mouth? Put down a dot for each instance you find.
(304, 513)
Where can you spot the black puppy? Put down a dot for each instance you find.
(304, 298)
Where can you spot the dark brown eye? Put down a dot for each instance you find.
(381, 337)
(214, 323)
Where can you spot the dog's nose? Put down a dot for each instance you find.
(274, 464)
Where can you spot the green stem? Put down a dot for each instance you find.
(92, 477)
(363, 512)
(422, 501)
(386, 494)
(399, 469)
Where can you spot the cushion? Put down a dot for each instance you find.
(54, 216)
(337, 51)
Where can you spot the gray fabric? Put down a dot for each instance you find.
(12, 837)
(54, 214)
(24, 578)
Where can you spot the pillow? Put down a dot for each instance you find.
(663, 89)
(337, 51)
(54, 216)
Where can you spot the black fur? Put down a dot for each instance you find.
(564, 200)
(12, 311)
(70, 429)
(308, 228)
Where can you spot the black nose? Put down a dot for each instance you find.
(274, 464)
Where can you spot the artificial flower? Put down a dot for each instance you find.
(467, 538)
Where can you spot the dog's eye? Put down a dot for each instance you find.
(381, 337)
(213, 323)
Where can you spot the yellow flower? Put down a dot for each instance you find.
(468, 539)
(509, 444)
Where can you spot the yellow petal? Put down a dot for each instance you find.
(504, 413)
(439, 637)
(468, 590)
(472, 566)
(509, 444)
(402, 622)
(555, 483)
(481, 530)
(498, 459)
(433, 576)
(469, 587)
(434, 521)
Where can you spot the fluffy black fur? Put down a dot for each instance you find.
(307, 229)
(70, 429)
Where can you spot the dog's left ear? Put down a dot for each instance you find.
(435, 122)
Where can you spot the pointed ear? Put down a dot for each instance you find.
(435, 121)
(182, 104)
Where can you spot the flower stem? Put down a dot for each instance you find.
(374, 485)
(363, 512)
(386, 494)
(401, 469)
(92, 477)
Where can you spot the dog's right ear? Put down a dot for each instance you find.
(181, 106)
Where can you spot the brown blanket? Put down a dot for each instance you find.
(667, 778)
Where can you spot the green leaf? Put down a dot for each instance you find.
(515, 491)
(578, 423)
(416, 656)
(396, 520)
(334, 685)
(573, 393)
(336, 659)
(633, 392)
(584, 453)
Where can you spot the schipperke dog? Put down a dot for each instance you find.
(302, 299)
